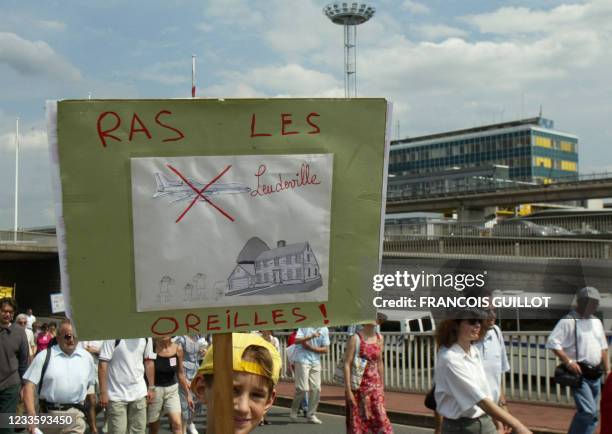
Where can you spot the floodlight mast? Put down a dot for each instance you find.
(349, 15)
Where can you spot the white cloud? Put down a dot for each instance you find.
(35, 58)
(415, 7)
(439, 31)
(58, 26)
(242, 13)
(33, 139)
(510, 21)
(292, 36)
(291, 80)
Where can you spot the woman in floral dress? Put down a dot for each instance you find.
(366, 406)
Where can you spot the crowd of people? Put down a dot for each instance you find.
(44, 369)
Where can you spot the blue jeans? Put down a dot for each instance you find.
(587, 407)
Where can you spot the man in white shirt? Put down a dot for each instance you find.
(31, 318)
(310, 344)
(123, 391)
(62, 387)
(580, 342)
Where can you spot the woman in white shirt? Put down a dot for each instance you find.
(462, 393)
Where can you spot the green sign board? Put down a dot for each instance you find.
(210, 216)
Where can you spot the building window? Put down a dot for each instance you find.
(542, 162)
(567, 146)
(298, 273)
(309, 272)
(276, 261)
(316, 272)
(543, 142)
(568, 166)
(307, 257)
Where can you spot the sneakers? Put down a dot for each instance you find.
(191, 429)
(293, 417)
(315, 420)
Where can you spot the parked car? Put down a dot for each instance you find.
(558, 231)
(520, 228)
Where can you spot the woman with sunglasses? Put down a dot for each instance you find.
(462, 393)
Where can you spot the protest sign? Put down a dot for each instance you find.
(57, 303)
(6, 292)
(210, 216)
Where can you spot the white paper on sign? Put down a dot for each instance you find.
(231, 230)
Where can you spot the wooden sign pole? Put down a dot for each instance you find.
(223, 397)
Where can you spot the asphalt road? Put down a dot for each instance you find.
(279, 418)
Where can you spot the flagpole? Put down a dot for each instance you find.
(193, 71)
(16, 226)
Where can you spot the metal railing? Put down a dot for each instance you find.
(399, 246)
(495, 186)
(410, 360)
(28, 238)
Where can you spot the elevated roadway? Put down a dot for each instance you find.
(558, 192)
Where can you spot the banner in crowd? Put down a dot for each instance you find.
(184, 216)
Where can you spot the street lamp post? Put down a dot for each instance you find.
(16, 225)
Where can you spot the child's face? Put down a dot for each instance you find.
(251, 400)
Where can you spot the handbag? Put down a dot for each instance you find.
(563, 376)
(357, 368)
(430, 399)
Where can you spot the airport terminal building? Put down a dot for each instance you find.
(531, 149)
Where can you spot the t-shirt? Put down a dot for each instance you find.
(302, 355)
(126, 368)
(42, 341)
(31, 320)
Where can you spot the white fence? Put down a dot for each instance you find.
(410, 360)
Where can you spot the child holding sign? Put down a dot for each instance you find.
(256, 364)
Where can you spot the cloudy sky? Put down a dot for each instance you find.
(445, 64)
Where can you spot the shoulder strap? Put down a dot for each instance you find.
(499, 337)
(44, 369)
(576, 337)
(117, 342)
(358, 344)
(144, 352)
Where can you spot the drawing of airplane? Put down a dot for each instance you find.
(179, 190)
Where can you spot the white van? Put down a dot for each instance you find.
(407, 321)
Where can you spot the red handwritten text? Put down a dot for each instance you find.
(109, 122)
(302, 178)
(286, 119)
(234, 320)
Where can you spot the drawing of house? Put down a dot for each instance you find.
(261, 267)
(243, 275)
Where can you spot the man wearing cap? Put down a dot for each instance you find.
(580, 342)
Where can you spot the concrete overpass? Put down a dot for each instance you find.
(558, 192)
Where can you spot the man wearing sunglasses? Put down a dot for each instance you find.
(63, 385)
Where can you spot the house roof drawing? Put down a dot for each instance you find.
(291, 249)
(251, 250)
